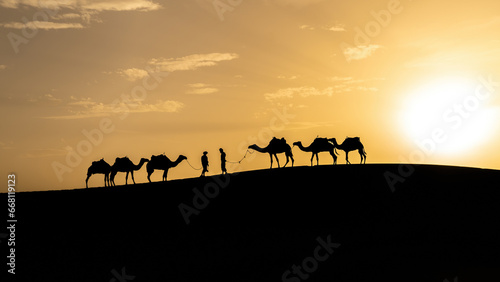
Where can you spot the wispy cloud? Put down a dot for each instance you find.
(306, 27)
(45, 98)
(293, 77)
(341, 85)
(201, 89)
(122, 5)
(360, 52)
(43, 153)
(337, 28)
(87, 108)
(133, 74)
(96, 5)
(298, 91)
(41, 25)
(83, 12)
(295, 3)
(192, 62)
(334, 28)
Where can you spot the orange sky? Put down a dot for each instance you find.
(84, 80)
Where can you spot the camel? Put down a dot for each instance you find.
(276, 146)
(125, 165)
(97, 167)
(351, 144)
(317, 146)
(162, 162)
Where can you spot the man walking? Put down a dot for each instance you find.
(204, 163)
(223, 161)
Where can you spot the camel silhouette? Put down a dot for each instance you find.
(162, 162)
(317, 146)
(125, 165)
(351, 144)
(275, 146)
(99, 167)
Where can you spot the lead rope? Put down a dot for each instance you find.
(248, 151)
(192, 166)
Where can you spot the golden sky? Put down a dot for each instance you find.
(81, 80)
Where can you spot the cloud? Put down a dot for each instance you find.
(45, 98)
(41, 25)
(294, 3)
(359, 52)
(87, 108)
(201, 89)
(342, 85)
(43, 153)
(192, 62)
(306, 27)
(335, 28)
(133, 74)
(83, 11)
(95, 5)
(122, 5)
(2, 67)
(198, 85)
(293, 77)
(300, 91)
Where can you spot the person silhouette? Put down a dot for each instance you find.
(204, 163)
(223, 161)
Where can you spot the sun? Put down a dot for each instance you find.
(449, 115)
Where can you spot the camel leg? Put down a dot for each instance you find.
(87, 180)
(291, 157)
(132, 173)
(271, 156)
(277, 160)
(165, 172)
(149, 174)
(312, 158)
(334, 157)
(363, 156)
(317, 159)
(347, 158)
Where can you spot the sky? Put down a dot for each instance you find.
(81, 80)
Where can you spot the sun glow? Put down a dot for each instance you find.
(450, 115)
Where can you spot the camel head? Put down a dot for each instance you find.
(253, 146)
(182, 157)
(298, 143)
(144, 160)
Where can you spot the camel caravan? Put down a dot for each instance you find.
(276, 146)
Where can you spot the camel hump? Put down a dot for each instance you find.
(159, 158)
(320, 140)
(122, 161)
(357, 139)
(278, 142)
(98, 162)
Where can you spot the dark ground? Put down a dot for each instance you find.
(441, 223)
